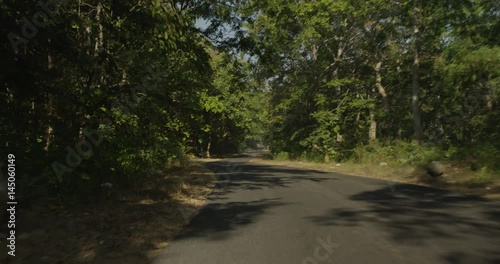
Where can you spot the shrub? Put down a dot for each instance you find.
(281, 156)
(407, 153)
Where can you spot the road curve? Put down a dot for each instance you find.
(263, 214)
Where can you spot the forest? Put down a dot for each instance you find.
(97, 91)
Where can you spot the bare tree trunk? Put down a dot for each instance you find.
(372, 134)
(34, 122)
(314, 52)
(208, 146)
(100, 35)
(337, 60)
(380, 87)
(489, 101)
(49, 130)
(488, 96)
(417, 123)
(340, 138)
(48, 106)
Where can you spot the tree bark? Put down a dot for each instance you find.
(337, 60)
(488, 97)
(372, 134)
(48, 106)
(380, 87)
(208, 146)
(417, 123)
(100, 34)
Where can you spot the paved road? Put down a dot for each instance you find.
(268, 214)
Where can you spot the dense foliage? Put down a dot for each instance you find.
(344, 73)
(100, 91)
(109, 91)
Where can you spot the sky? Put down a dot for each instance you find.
(201, 23)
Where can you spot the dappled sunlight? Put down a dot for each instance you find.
(413, 215)
(219, 220)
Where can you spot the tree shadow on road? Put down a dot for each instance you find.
(232, 177)
(128, 227)
(218, 220)
(416, 215)
(223, 215)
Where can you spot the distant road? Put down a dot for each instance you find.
(268, 214)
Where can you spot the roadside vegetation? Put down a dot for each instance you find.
(128, 226)
(111, 92)
(99, 100)
(406, 163)
(108, 92)
(100, 93)
(403, 83)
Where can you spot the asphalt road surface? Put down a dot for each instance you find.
(269, 214)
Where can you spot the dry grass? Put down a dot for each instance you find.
(456, 178)
(128, 228)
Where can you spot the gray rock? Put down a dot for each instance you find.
(435, 169)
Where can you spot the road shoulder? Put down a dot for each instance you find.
(455, 179)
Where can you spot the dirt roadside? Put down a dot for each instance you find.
(127, 228)
(456, 178)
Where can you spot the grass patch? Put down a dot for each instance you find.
(467, 170)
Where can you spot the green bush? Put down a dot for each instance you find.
(483, 158)
(487, 157)
(402, 152)
(315, 157)
(309, 156)
(281, 156)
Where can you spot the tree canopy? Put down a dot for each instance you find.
(104, 90)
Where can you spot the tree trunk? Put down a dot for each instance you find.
(380, 87)
(100, 34)
(340, 138)
(488, 96)
(337, 60)
(208, 146)
(417, 123)
(48, 106)
(372, 134)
